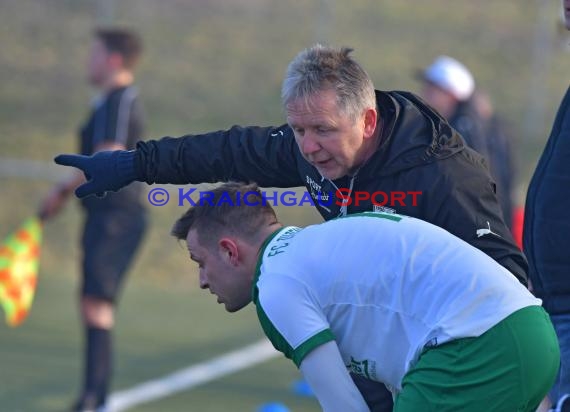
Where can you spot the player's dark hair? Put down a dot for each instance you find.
(232, 208)
(125, 42)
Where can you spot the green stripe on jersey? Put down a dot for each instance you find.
(381, 215)
(319, 339)
(254, 290)
(276, 338)
(281, 344)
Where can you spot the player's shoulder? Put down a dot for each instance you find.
(122, 95)
(279, 290)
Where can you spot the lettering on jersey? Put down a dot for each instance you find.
(276, 249)
(288, 234)
(366, 368)
(383, 209)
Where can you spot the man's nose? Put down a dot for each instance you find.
(203, 281)
(309, 143)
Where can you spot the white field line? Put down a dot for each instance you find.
(192, 376)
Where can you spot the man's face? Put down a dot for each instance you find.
(566, 6)
(98, 66)
(220, 274)
(328, 139)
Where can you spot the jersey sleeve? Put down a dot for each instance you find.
(290, 316)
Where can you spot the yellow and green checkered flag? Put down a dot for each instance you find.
(19, 262)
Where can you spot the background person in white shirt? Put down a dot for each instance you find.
(392, 298)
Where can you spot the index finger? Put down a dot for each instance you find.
(71, 160)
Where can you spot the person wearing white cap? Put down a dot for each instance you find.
(452, 77)
(448, 87)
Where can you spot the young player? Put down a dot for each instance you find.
(388, 297)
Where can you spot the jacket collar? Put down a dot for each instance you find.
(413, 134)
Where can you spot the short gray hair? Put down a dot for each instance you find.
(321, 68)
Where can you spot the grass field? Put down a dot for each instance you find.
(160, 330)
(165, 323)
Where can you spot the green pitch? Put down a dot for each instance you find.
(160, 329)
(165, 323)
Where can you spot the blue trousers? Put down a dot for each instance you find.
(562, 384)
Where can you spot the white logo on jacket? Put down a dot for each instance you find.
(486, 231)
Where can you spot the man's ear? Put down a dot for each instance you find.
(370, 122)
(229, 250)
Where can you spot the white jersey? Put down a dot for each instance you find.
(383, 286)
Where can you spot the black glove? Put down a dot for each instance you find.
(105, 171)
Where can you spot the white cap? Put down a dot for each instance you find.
(452, 76)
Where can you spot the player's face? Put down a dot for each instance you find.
(220, 274)
(97, 63)
(328, 139)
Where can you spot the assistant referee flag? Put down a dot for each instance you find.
(19, 262)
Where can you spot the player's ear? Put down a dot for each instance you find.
(228, 250)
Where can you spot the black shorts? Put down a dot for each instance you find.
(377, 397)
(110, 241)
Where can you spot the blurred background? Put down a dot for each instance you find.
(209, 64)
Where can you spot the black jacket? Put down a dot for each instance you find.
(546, 236)
(418, 152)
